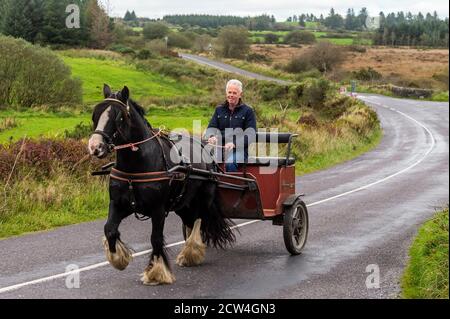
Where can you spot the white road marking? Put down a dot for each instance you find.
(102, 264)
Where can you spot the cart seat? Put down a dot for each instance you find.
(267, 161)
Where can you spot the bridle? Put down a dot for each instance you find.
(110, 140)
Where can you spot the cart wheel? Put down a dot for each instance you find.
(295, 227)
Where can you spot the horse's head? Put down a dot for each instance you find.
(110, 118)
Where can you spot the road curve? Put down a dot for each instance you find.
(363, 216)
(228, 68)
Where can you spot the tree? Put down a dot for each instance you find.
(325, 56)
(233, 42)
(54, 30)
(4, 11)
(127, 16)
(18, 21)
(302, 21)
(98, 24)
(362, 18)
(334, 21)
(350, 20)
(155, 30)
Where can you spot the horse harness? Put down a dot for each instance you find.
(149, 177)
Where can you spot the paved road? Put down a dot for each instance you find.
(363, 216)
(228, 68)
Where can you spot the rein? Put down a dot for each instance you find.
(133, 146)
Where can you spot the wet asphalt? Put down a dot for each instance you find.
(363, 214)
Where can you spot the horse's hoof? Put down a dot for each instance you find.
(121, 258)
(157, 274)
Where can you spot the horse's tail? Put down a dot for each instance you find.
(216, 228)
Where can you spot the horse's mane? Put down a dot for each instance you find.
(140, 110)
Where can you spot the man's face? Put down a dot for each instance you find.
(233, 95)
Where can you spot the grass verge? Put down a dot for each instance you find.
(426, 276)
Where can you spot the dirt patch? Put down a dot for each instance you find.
(397, 64)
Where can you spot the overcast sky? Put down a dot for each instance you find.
(281, 9)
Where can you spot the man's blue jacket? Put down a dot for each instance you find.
(242, 117)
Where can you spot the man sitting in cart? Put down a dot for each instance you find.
(233, 127)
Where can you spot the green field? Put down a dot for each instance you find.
(95, 72)
(35, 124)
(259, 36)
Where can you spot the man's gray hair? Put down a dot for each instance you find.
(236, 83)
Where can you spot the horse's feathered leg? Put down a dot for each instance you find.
(158, 271)
(117, 253)
(193, 252)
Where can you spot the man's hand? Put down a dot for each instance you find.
(212, 140)
(229, 146)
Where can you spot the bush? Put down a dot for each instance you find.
(271, 38)
(300, 37)
(367, 74)
(145, 55)
(256, 57)
(315, 92)
(442, 77)
(155, 30)
(34, 76)
(298, 64)
(325, 56)
(180, 40)
(80, 131)
(122, 49)
(41, 157)
(233, 42)
(273, 91)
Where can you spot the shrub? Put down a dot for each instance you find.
(367, 74)
(233, 42)
(298, 64)
(273, 91)
(144, 54)
(155, 30)
(325, 56)
(442, 77)
(179, 40)
(256, 57)
(315, 92)
(271, 38)
(41, 157)
(80, 131)
(33, 76)
(300, 37)
(119, 48)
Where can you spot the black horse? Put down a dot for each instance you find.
(140, 183)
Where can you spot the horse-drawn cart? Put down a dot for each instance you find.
(263, 189)
(148, 182)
